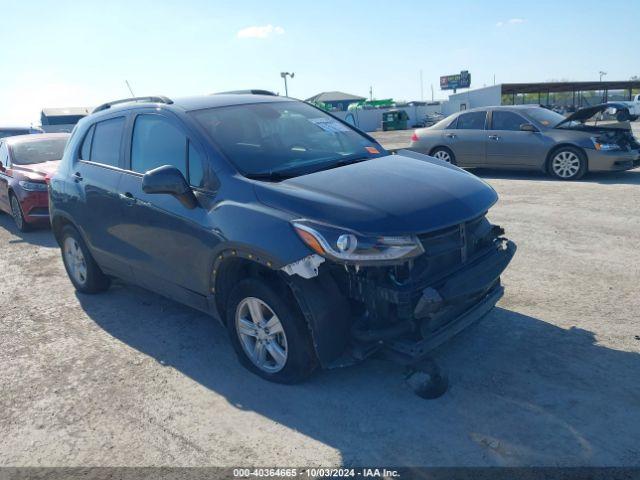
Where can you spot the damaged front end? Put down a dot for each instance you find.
(442, 282)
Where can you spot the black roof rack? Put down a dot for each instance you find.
(248, 92)
(157, 99)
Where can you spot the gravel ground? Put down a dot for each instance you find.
(550, 377)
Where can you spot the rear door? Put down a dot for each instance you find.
(508, 146)
(466, 138)
(96, 173)
(169, 245)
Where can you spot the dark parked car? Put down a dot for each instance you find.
(25, 162)
(527, 137)
(311, 243)
(13, 131)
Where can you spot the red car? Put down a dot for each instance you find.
(25, 163)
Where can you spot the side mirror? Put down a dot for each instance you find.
(169, 180)
(527, 127)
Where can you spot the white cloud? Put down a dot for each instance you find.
(511, 21)
(257, 31)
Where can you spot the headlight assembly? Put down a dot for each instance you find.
(604, 146)
(346, 246)
(33, 186)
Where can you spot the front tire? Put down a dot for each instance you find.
(268, 333)
(444, 154)
(83, 271)
(567, 163)
(18, 216)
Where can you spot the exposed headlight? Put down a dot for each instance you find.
(347, 246)
(33, 186)
(605, 147)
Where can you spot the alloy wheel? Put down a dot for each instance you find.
(566, 164)
(261, 335)
(443, 155)
(74, 258)
(17, 213)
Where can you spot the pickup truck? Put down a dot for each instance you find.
(631, 110)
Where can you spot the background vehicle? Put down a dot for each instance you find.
(632, 109)
(530, 138)
(13, 131)
(25, 162)
(310, 242)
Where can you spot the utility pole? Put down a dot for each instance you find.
(371, 93)
(432, 92)
(421, 88)
(284, 75)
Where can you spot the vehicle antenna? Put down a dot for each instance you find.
(129, 87)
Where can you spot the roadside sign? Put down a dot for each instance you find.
(453, 82)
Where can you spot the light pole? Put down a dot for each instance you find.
(604, 92)
(284, 75)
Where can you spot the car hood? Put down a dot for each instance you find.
(38, 169)
(584, 114)
(390, 195)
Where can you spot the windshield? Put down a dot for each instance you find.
(28, 153)
(544, 117)
(283, 138)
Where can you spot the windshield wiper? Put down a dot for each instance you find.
(268, 176)
(339, 163)
(286, 173)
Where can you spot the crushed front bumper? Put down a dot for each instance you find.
(420, 316)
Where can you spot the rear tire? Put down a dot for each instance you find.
(444, 154)
(83, 271)
(567, 163)
(18, 216)
(268, 333)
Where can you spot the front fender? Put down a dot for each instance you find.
(259, 231)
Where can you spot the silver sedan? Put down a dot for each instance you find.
(528, 137)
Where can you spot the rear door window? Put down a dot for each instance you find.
(506, 121)
(107, 138)
(471, 121)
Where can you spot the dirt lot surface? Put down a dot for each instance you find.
(550, 377)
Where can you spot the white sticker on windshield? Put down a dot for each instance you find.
(329, 125)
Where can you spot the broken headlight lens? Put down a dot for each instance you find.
(604, 146)
(347, 246)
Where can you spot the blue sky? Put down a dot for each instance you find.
(76, 53)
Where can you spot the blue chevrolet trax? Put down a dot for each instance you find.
(313, 245)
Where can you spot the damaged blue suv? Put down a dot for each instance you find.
(310, 242)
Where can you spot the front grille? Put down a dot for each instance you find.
(449, 248)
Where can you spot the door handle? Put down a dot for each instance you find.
(127, 198)
(77, 177)
(494, 137)
(450, 135)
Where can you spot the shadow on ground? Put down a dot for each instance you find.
(40, 236)
(523, 392)
(630, 177)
